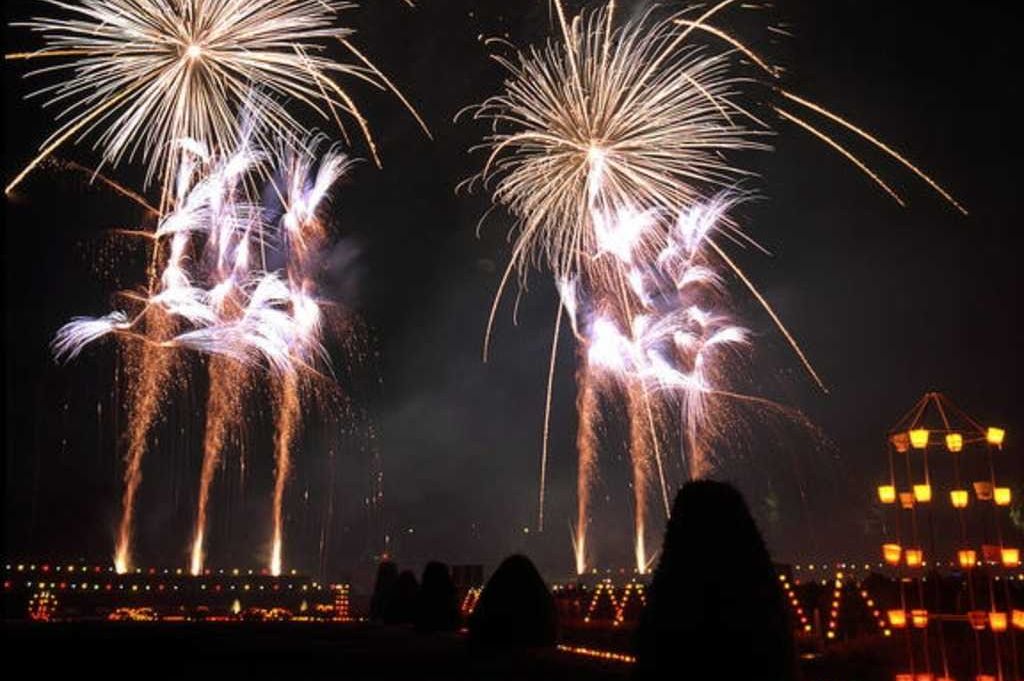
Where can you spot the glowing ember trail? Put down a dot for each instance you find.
(288, 405)
(639, 434)
(223, 411)
(149, 374)
(586, 446)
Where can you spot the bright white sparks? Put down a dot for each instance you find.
(609, 120)
(227, 302)
(137, 76)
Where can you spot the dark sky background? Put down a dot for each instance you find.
(887, 302)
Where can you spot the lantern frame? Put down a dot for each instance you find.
(919, 618)
(978, 619)
(897, 618)
(1002, 496)
(968, 558)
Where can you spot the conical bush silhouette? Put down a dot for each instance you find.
(403, 608)
(515, 608)
(383, 591)
(714, 603)
(437, 608)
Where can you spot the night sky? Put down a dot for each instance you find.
(887, 302)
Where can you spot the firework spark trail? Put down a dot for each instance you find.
(586, 446)
(547, 419)
(110, 183)
(660, 310)
(223, 411)
(639, 443)
(303, 191)
(148, 384)
(288, 414)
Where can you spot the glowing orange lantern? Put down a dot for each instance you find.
(919, 618)
(901, 442)
(904, 677)
(983, 490)
(907, 499)
(919, 438)
(923, 493)
(994, 436)
(925, 676)
(1010, 556)
(954, 442)
(914, 557)
(978, 619)
(997, 621)
(892, 553)
(984, 677)
(897, 618)
(1002, 496)
(886, 494)
(1018, 619)
(959, 498)
(967, 558)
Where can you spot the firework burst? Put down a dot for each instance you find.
(138, 76)
(611, 119)
(612, 148)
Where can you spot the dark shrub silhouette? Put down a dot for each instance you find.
(437, 608)
(404, 605)
(714, 602)
(515, 608)
(383, 591)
